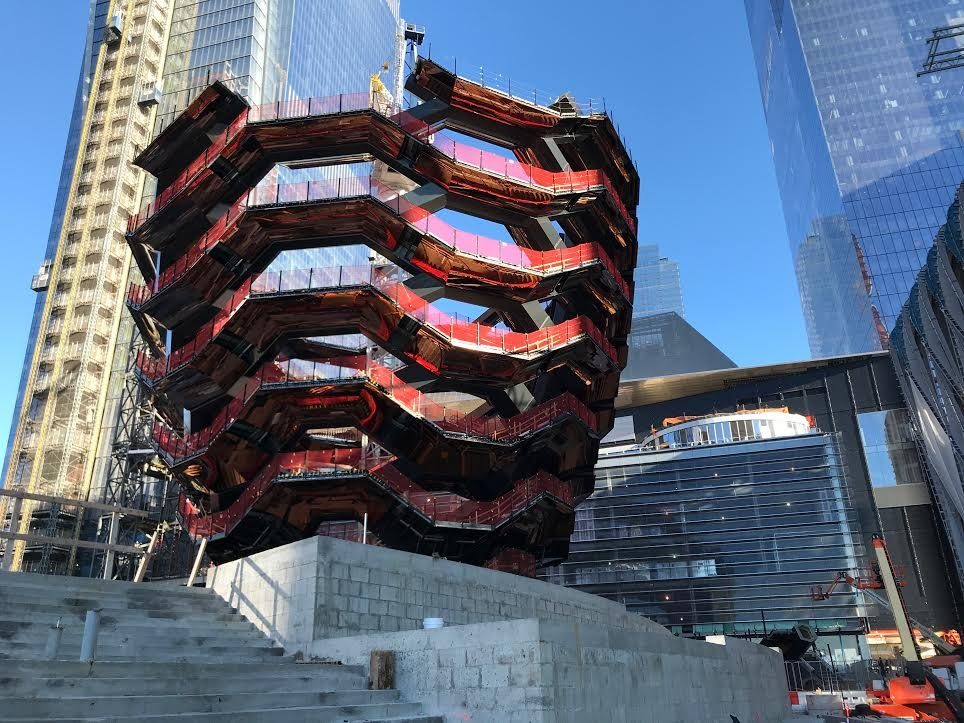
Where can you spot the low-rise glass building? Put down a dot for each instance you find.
(722, 524)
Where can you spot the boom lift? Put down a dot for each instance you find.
(920, 693)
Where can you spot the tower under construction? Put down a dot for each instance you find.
(81, 283)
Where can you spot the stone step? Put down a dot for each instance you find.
(136, 706)
(109, 644)
(69, 648)
(131, 625)
(96, 587)
(273, 680)
(165, 653)
(60, 583)
(145, 624)
(35, 612)
(129, 601)
(143, 592)
(79, 607)
(104, 669)
(234, 654)
(371, 713)
(110, 635)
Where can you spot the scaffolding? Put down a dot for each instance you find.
(939, 55)
(65, 393)
(10, 526)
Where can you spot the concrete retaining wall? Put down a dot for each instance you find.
(322, 588)
(535, 671)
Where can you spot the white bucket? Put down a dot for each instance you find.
(432, 623)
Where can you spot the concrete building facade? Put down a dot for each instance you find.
(512, 650)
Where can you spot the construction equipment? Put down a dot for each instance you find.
(920, 694)
(869, 585)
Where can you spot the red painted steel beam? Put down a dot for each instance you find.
(477, 182)
(240, 464)
(284, 400)
(305, 487)
(268, 220)
(366, 300)
(521, 123)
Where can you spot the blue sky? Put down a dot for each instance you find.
(678, 78)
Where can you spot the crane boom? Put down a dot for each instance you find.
(939, 643)
(907, 640)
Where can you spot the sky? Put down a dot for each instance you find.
(677, 77)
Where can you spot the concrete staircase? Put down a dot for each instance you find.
(164, 653)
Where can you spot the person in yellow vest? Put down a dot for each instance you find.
(381, 98)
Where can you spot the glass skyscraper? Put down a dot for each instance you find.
(270, 50)
(867, 154)
(266, 50)
(657, 283)
(665, 344)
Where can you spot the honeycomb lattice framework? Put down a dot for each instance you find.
(275, 430)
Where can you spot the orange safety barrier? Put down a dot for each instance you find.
(523, 173)
(298, 372)
(353, 186)
(451, 327)
(437, 507)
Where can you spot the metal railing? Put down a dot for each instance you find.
(454, 328)
(525, 174)
(299, 373)
(491, 79)
(435, 506)
(354, 186)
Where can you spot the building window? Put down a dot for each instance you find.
(889, 448)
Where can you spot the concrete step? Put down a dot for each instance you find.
(44, 613)
(58, 582)
(165, 654)
(143, 636)
(109, 644)
(311, 714)
(69, 649)
(234, 654)
(135, 706)
(134, 625)
(146, 590)
(105, 669)
(78, 608)
(24, 584)
(270, 681)
(28, 611)
(215, 659)
(139, 601)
